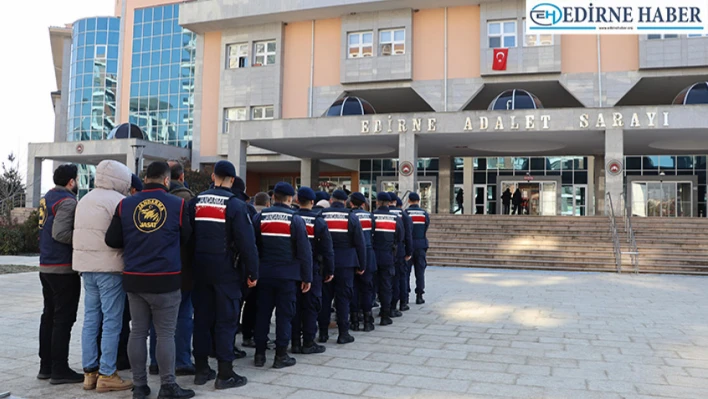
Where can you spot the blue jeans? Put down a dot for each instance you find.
(104, 302)
(183, 334)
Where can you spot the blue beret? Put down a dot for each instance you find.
(340, 195)
(321, 195)
(239, 184)
(284, 189)
(358, 198)
(399, 203)
(414, 197)
(306, 193)
(383, 196)
(136, 183)
(224, 169)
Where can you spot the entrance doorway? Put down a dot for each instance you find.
(426, 188)
(539, 198)
(662, 199)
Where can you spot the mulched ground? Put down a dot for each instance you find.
(11, 269)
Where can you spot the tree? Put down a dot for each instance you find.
(12, 190)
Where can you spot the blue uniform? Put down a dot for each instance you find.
(388, 236)
(309, 304)
(363, 296)
(349, 255)
(52, 253)
(421, 222)
(400, 280)
(225, 255)
(285, 260)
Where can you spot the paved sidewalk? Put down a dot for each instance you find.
(484, 334)
(20, 260)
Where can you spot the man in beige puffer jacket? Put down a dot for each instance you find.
(101, 267)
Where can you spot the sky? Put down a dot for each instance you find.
(27, 71)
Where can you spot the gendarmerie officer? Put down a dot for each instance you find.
(389, 230)
(364, 284)
(421, 222)
(309, 304)
(286, 267)
(223, 237)
(349, 260)
(150, 226)
(403, 255)
(239, 190)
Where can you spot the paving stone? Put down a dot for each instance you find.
(322, 384)
(435, 384)
(387, 392)
(482, 376)
(552, 382)
(365, 365)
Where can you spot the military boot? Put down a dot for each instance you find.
(310, 348)
(404, 306)
(240, 354)
(173, 391)
(385, 318)
(296, 346)
(324, 335)
(344, 338)
(282, 359)
(203, 372)
(259, 360)
(354, 321)
(419, 299)
(394, 312)
(368, 322)
(227, 378)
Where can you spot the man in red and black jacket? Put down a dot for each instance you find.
(150, 226)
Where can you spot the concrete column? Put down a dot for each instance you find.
(446, 184)
(614, 182)
(237, 156)
(34, 180)
(468, 185)
(407, 152)
(310, 173)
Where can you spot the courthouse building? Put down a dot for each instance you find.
(389, 95)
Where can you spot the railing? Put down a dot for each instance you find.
(404, 199)
(610, 212)
(631, 239)
(17, 200)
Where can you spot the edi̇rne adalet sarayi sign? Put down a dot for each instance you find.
(645, 17)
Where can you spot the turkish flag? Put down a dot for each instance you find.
(500, 56)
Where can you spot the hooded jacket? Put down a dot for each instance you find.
(93, 216)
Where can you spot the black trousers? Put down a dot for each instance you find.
(516, 209)
(250, 310)
(505, 209)
(61, 294)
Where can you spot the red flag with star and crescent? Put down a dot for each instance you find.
(500, 56)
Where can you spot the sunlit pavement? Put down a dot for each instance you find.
(483, 334)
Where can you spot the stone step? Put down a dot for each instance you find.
(494, 241)
(537, 255)
(577, 267)
(512, 261)
(501, 236)
(525, 249)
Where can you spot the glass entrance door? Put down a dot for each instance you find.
(538, 198)
(426, 188)
(480, 200)
(662, 199)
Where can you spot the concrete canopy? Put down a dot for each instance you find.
(93, 152)
(658, 90)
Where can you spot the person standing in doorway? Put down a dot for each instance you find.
(506, 201)
(460, 199)
(516, 200)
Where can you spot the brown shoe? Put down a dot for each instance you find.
(90, 380)
(112, 383)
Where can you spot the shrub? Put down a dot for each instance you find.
(30, 233)
(11, 240)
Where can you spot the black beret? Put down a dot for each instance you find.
(358, 199)
(414, 197)
(340, 195)
(383, 196)
(284, 188)
(136, 183)
(306, 193)
(224, 169)
(321, 195)
(239, 184)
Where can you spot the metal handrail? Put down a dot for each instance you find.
(404, 199)
(631, 239)
(610, 211)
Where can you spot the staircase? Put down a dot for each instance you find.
(666, 245)
(522, 242)
(671, 245)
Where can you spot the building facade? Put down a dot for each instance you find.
(573, 121)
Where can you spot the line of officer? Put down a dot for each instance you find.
(309, 304)
(223, 237)
(349, 259)
(421, 222)
(364, 284)
(389, 230)
(285, 261)
(403, 255)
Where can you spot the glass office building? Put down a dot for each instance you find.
(94, 76)
(162, 76)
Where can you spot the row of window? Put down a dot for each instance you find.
(674, 36)
(237, 54)
(504, 33)
(391, 42)
(261, 112)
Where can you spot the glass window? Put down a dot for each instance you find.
(392, 42)
(264, 53)
(662, 36)
(361, 44)
(234, 114)
(237, 55)
(633, 163)
(650, 162)
(537, 39)
(262, 113)
(501, 34)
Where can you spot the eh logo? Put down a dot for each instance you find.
(149, 215)
(546, 14)
(42, 213)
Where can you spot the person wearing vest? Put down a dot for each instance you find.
(151, 226)
(403, 255)
(349, 260)
(389, 230)
(61, 286)
(364, 284)
(421, 222)
(286, 267)
(100, 267)
(225, 256)
(250, 307)
(309, 304)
